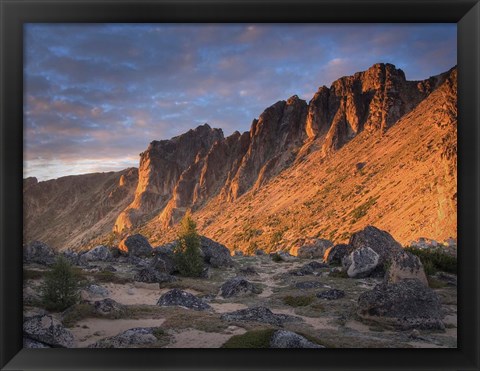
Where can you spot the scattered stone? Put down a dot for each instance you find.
(48, 330)
(215, 254)
(259, 314)
(184, 299)
(237, 286)
(424, 243)
(288, 339)
(332, 294)
(311, 249)
(33, 344)
(38, 252)
(306, 285)
(72, 257)
(97, 290)
(259, 252)
(335, 254)
(31, 296)
(404, 305)
(248, 271)
(98, 253)
(405, 265)
(313, 267)
(109, 306)
(363, 262)
(415, 334)
(132, 338)
(163, 261)
(135, 245)
(379, 241)
(238, 253)
(110, 268)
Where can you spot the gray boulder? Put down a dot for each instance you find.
(311, 249)
(335, 254)
(33, 344)
(313, 267)
(72, 257)
(38, 252)
(132, 338)
(150, 275)
(135, 245)
(180, 298)
(379, 241)
(48, 330)
(259, 314)
(163, 261)
(363, 261)
(237, 286)
(215, 254)
(306, 285)
(331, 294)
(404, 305)
(109, 307)
(288, 339)
(98, 253)
(404, 265)
(97, 290)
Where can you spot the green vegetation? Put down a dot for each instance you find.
(277, 258)
(298, 300)
(61, 287)
(107, 276)
(276, 238)
(434, 260)
(78, 312)
(360, 211)
(251, 339)
(187, 251)
(433, 283)
(32, 274)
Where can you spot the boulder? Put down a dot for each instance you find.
(306, 285)
(150, 275)
(405, 265)
(33, 344)
(331, 294)
(48, 330)
(259, 314)
(362, 262)
(72, 257)
(237, 286)
(238, 253)
(135, 245)
(109, 307)
(215, 254)
(379, 241)
(184, 299)
(313, 267)
(98, 253)
(260, 252)
(163, 261)
(404, 305)
(97, 290)
(38, 252)
(132, 338)
(335, 254)
(288, 339)
(313, 248)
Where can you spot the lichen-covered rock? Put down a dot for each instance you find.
(98, 253)
(404, 305)
(259, 314)
(48, 330)
(163, 260)
(313, 267)
(306, 285)
(132, 338)
(215, 254)
(150, 275)
(331, 294)
(109, 307)
(97, 290)
(288, 339)
(362, 262)
(38, 252)
(379, 241)
(135, 245)
(311, 249)
(405, 265)
(335, 254)
(33, 344)
(237, 286)
(180, 298)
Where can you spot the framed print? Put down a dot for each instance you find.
(196, 185)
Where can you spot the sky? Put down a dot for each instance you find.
(95, 95)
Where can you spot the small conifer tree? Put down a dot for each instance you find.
(61, 286)
(187, 251)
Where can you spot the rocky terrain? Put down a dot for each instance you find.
(373, 148)
(369, 293)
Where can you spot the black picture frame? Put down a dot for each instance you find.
(14, 13)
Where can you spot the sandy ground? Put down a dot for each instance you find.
(200, 339)
(90, 330)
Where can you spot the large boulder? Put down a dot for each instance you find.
(98, 253)
(48, 330)
(288, 339)
(97, 290)
(331, 294)
(362, 262)
(404, 305)
(379, 241)
(404, 265)
(259, 314)
(132, 338)
(135, 245)
(180, 298)
(109, 307)
(335, 254)
(38, 252)
(215, 254)
(150, 275)
(33, 344)
(237, 286)
(163, 260)
(313, 248)
(313, 267)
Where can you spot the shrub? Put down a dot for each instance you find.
(61, 287)
(297, 301)
(434, 260)
(251, 339)
(187, 252)
(277, 258)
